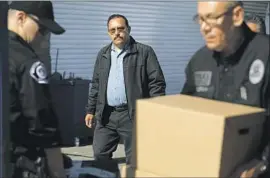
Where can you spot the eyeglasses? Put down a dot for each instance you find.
(112, 31)
(212, 20)
(41, 28)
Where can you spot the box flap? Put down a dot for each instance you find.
(202, 105)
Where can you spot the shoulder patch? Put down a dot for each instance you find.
(39, 73)
(256, 71)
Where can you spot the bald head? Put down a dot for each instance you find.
(255, 23)
(232, 4)
(217, 6)
(219, 22)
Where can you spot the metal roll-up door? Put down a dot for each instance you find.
(166, 26)
(267, 18)
(257, 7)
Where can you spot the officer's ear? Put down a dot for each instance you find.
(21, 17)
(238, 16)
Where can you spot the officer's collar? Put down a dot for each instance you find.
(248, 35)
(16, 37)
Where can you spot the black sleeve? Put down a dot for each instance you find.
(265, 98)
(156, 80)
(14, 88)
(189, 86)
(93, 95)
(34, 96)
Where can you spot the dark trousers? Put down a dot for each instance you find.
(115, 125)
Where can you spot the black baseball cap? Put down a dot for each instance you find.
(43, 10)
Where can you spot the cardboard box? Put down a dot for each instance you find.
(130, 172)
(184, 136)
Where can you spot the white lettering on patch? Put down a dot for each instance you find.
(203, 78)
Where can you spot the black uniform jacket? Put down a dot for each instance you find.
(33, 121)
(241, 78)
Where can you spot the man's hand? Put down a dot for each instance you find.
(248, 173)
(252, 169)
(89, 120)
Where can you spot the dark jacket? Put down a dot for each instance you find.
(33, 121)
(142, 74)
(242, 78)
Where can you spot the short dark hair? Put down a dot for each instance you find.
(117, 16)
(253, 18)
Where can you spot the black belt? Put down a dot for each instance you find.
(118, 108)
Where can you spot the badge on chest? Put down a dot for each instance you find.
(202, 80)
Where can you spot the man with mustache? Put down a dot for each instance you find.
(233, 67)
(125, 71)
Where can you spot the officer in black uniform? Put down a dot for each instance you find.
(232, 67)
(33, 122)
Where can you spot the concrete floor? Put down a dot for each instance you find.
(83, 155)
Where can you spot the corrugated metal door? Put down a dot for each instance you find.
(257, 7)
(166, 26)
(267, 19)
